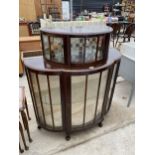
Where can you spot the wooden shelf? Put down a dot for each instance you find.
(29, 39)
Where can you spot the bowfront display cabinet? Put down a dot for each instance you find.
(72, 84)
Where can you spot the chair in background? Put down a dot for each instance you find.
(23, 138)
(116, 30)
(23, 100)
(22, 107)
(26, 126)
(128, 33)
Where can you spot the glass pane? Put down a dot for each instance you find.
(87, 50)
(78, 94)
(102, 91)
(78, 87)
(56, 99)
(53, 48)
(46, 46)
(101, 48)
(91, 96)
(57, 49)
(45, 99)
(37, 96)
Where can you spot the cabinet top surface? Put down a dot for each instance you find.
(81, 30)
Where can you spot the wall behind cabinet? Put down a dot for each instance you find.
(27, 9)
(31, 9)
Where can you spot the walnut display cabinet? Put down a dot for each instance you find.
(72, 84)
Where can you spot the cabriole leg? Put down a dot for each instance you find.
(23, 138)
(25, 122)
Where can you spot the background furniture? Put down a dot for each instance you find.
(55, 13)
(34, 28)
(121, 29)
(67, 13)
(23, 100)
(48, 7)
(127, 66)
(29, 28)
(116, 26)
(23, 138)
(30, 45)
(127, 34)
(23, 29)
(21, 70)
(129, 6)
(22, 107)
(32, 10)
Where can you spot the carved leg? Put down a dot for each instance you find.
(23, 138)
(20, 149)
(25, 122)
(27, 109)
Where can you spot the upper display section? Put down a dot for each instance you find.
(79, 30)
(75, 45)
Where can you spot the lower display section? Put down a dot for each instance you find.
(89, 98)
(71, 100)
